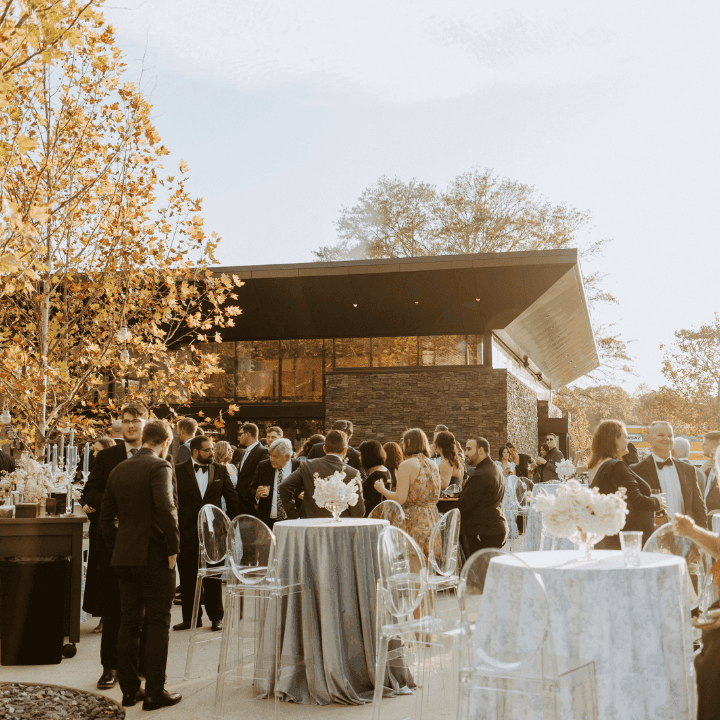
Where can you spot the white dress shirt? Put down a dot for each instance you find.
(670, 485)
(286, 473)
(202, 478)
(130, 449)
(246, 453)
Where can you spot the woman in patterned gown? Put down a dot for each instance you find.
(418, 488)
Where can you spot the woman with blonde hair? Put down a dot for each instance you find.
(608, 473)
(418, 488)
(223, 456)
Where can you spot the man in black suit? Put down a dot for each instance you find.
(200, 482)
(551, 460)
(254, 453)
(352, 456)
(269, 475)
(482, 521)
(186, 432)
(133, 419)
(144, 548)
(303, 480)
(676, 479)
(711, 488)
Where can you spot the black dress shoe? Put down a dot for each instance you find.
(130, 700)
(185, 625)
(217, 625)
(107, 680)
(161, 701)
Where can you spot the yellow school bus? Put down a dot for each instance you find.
(638, 436)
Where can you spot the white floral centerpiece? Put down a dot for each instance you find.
(582, 514)
(34, 480)
(565, 469)
(334, 494)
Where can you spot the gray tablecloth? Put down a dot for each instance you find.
(335, 630)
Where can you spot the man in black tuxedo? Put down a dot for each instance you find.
(551, 460)
(482, 521)
(352, 457)
(200, 482)
(186, 432)
(140, 493)
(711, 488)
(254, 453)
(303, 480)
(270, 474)
(676, 479)
(133, 419)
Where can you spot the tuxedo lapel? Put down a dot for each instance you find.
(686, 475)
(211, 477)
(651, 478)
(192, 479)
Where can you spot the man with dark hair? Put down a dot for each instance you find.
(352, 456)
(200, 481)
(551, 460)
(186, 432)
(482, 521)
(143, 549)
(303, 480)
(133, 418)
(254, 453)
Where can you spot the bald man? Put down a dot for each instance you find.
(676, 479)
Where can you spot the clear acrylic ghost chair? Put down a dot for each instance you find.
(664, 541)
(509, 668)
(251, 652)
(443, 558)
(409, 644)
(389, 510)
(510, 506)
(213, 529)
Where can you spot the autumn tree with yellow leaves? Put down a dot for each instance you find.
(116, 298)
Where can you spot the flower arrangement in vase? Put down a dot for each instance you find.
(34, 481)
(582, 514)
(334, 494)
(565, 470)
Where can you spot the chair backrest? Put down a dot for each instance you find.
(486, 576)
(391, 511)
(666, 542)
(213, 532)
(403, 573)
(444, 541)
(522, 493)
(252, 550)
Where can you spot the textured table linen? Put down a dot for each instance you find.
(634, 623)
(335, 630)
(533, 525)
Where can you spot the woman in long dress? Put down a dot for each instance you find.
(418, 488)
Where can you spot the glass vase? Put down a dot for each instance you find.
(585, 542)
(336, 508)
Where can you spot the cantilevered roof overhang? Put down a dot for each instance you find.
(533, 301)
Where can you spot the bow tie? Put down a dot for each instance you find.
(665, 463)
(201, 468)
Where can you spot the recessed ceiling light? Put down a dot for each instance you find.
(354, 304)
(416, 302)
(477, 299)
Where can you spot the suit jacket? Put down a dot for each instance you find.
(712, 493)
(631, 456)
(303, 480)
(141, 495)
(692, 499)
(551, 460)
(105, 462)
(183, 454)
(481, 501)
(352, 456)
(246, 475)
(265, 475)
(190, 501)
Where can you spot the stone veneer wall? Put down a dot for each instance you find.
(469, 401)
(522, 416)
(545, 409)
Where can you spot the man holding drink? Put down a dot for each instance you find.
(268, 476)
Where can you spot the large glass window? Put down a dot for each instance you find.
(444, 350)
(258, 370)
(352, 352)
(302, 371)
(395, 352)
(222, 384)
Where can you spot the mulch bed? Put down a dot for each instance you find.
(22, 701)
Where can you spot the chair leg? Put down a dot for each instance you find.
(193, 627)
(380, 665)
(224, 663)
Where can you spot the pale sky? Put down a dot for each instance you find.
(286, 111)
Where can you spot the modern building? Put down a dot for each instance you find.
(475, 342)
